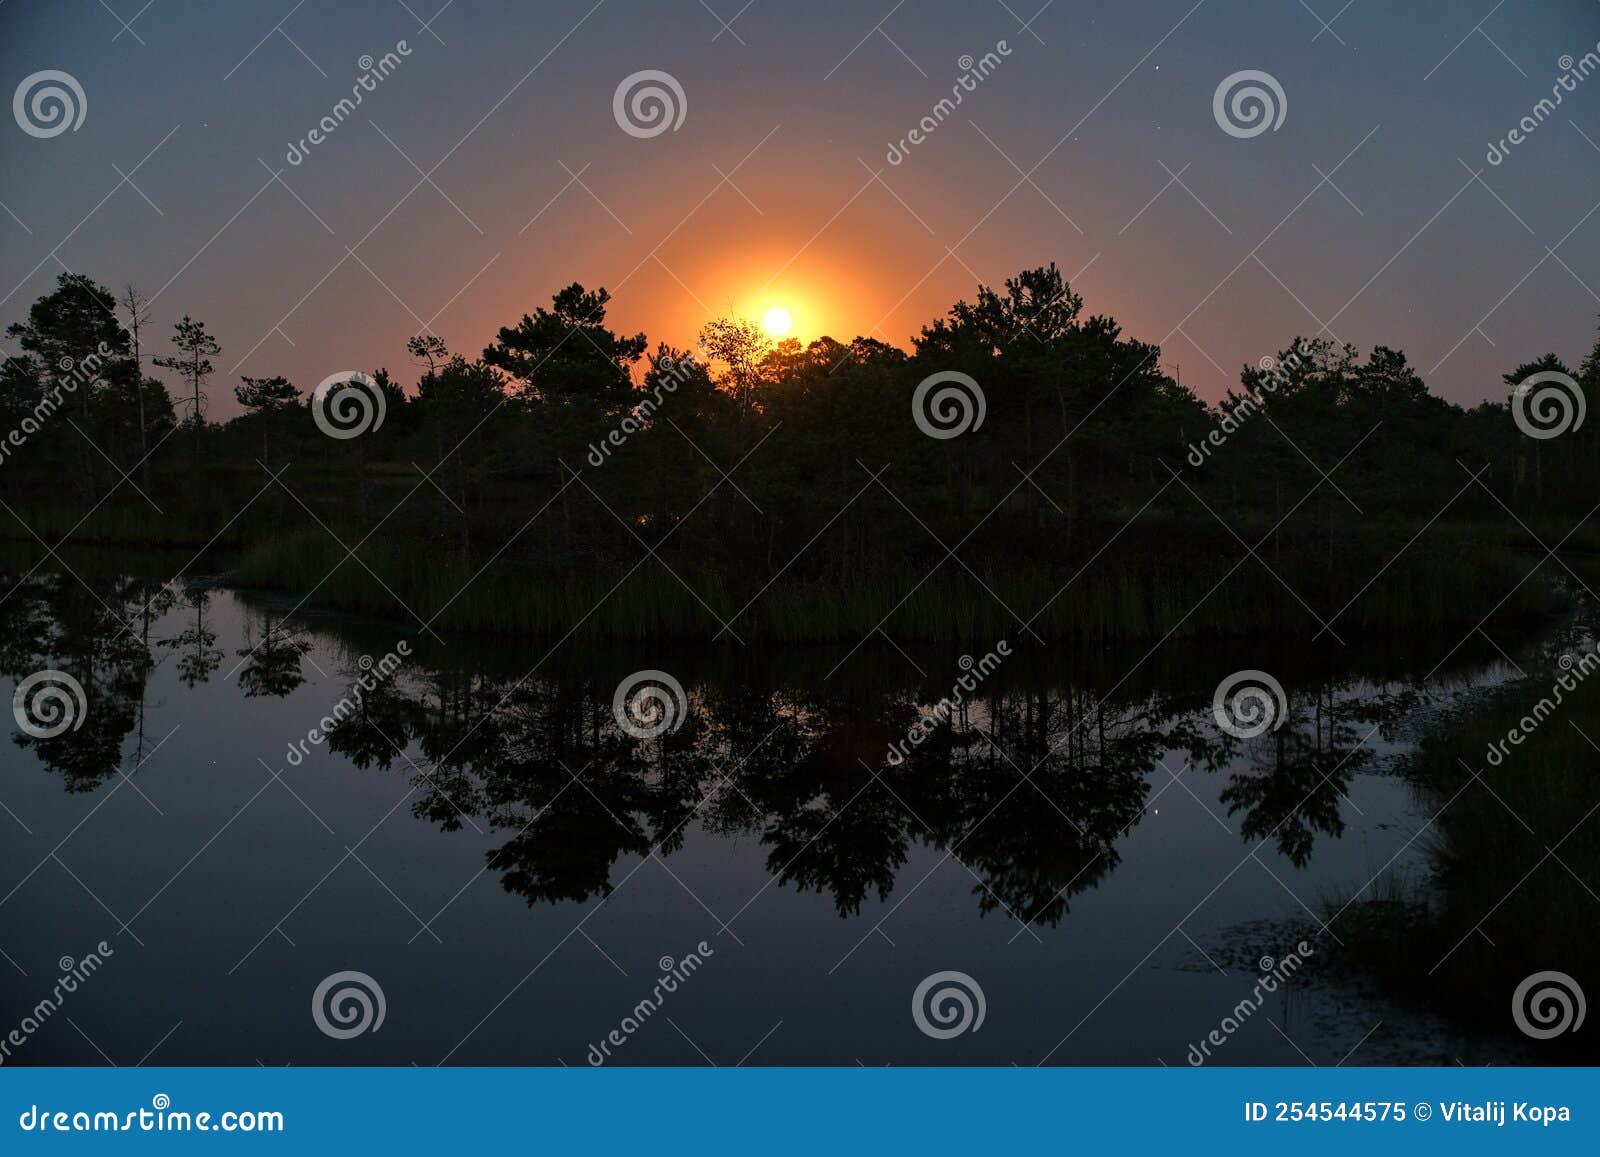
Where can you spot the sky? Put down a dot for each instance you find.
(490, 168)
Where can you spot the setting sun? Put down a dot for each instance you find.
(777, 321)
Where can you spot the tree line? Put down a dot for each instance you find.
(1017, 439)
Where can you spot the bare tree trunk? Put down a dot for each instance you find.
(134, 302)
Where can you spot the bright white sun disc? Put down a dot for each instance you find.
(777, 321)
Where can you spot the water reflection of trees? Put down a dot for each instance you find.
(1031, 789)
(195, 643)
(1294, 781)
(109, 633)
(99, 635)
(1030, 785)
(270, 659)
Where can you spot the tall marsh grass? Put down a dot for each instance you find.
(1515, 853)
(1137, 595)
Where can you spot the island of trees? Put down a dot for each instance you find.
(568, 474)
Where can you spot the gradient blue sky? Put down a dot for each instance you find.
(1421, 256)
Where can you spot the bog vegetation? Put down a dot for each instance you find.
(568, 474)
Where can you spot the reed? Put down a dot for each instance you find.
(1132, 595)
(1515, 853)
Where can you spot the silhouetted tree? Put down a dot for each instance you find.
(267, 400)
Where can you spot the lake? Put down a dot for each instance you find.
(763, 867)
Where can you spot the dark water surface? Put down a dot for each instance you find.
(514, 870)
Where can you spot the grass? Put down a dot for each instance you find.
(1515, 852)
(118, 525)
(1159, 573)
(1136, 593)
